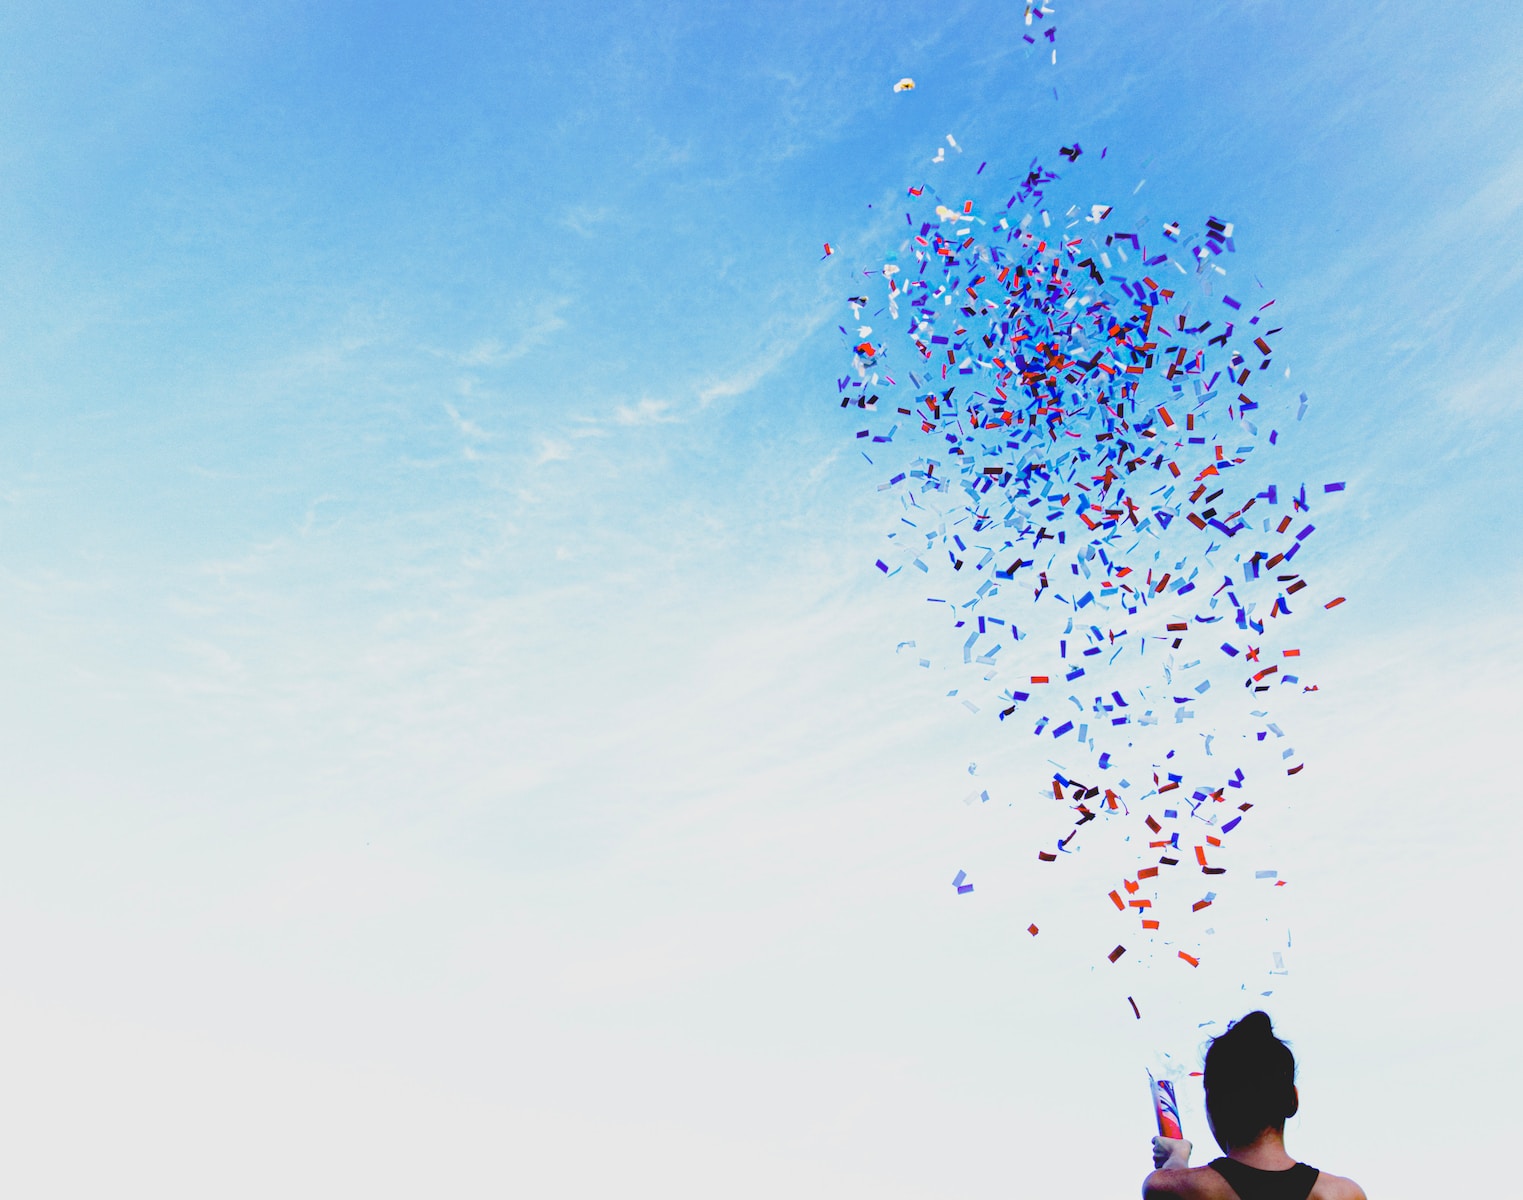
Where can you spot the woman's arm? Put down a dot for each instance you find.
(1171, 1164)
(1174, 1179)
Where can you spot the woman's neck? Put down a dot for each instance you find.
(1266, 1152)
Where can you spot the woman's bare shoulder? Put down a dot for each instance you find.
(1336, 1187)
(1189, 1183)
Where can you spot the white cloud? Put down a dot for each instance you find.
(583, 219)
(746, 377)
(644, 412)
(1496, 203)
(551, 450)
(496, 352)
(465, 425)
(1494, 391)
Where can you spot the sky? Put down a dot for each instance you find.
(454, 738)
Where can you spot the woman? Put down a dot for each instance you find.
(1250, 1090)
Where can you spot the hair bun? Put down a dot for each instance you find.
(1256, 1026)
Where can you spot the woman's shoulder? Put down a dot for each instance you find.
(1336, 1187)
(1190, 1183)
(1203, 1183)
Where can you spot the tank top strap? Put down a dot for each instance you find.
(1250, 1183)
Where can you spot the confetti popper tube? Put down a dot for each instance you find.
(1165, 1107)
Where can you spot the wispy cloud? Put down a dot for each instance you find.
(745, 377)
(465, 425)
(497, 352)
(551, 450)
(586, 219)
(1495, 390)
(645, 412)
(662, 154)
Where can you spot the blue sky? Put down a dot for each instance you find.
(454, 737)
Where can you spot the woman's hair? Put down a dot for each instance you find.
(1250, 1081)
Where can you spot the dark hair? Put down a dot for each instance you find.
(1250, 1081)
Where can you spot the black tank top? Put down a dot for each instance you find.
(1250, 1183)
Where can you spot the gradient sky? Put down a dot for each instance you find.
(453, 741)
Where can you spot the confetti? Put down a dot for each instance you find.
(1071, 405)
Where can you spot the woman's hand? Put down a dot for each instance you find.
(1171, 1154)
